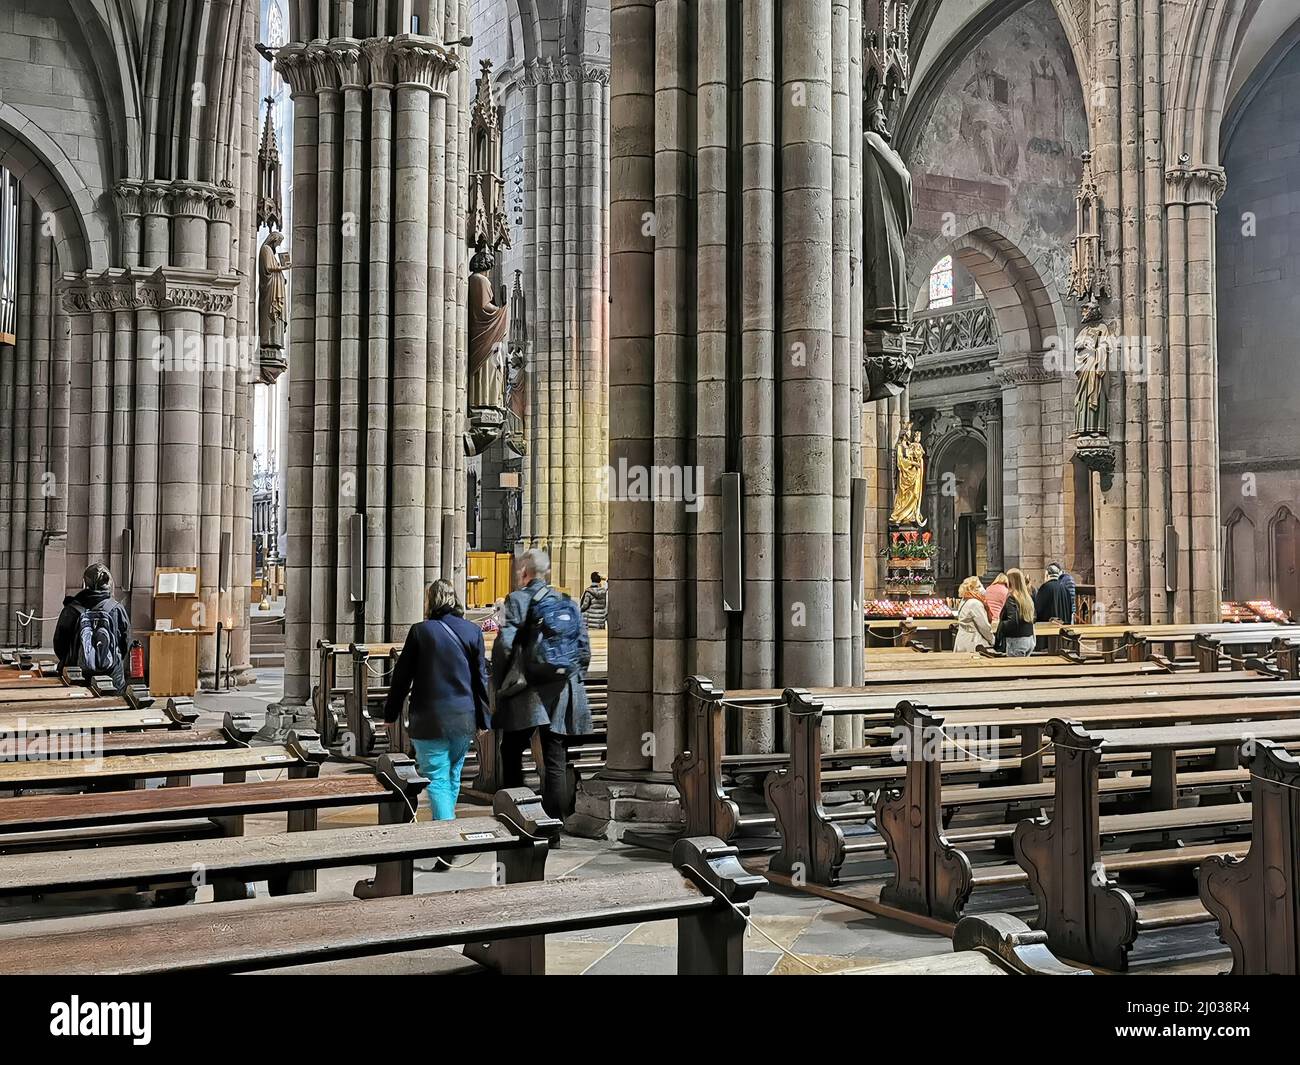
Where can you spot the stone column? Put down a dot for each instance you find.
(379, 273)
(765, 375)
(990, 412)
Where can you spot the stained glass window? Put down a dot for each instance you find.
(941, 283)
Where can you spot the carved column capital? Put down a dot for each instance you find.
(422, 63)
(190, 198)
(345, 56)
(1029, 368)
(155, 197)
(297, 65)
(379, 58)
(127, 196)
(1195, 184)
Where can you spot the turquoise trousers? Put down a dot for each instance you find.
(441, 761)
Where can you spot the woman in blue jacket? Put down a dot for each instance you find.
(444, 667)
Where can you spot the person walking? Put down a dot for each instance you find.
(1015, 634)
(539, 662)
(443, 665)
(93, 632)
(594, 603)
(973, 628)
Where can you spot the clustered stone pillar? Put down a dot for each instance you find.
(1155, 155)
(160, 397)
(33, 436)
(566, 103)
(731, 350)
(991, 413)
(380, 267)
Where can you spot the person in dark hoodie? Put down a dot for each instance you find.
(94, 630)
(444, 667)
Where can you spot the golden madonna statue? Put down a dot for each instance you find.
(908, 497)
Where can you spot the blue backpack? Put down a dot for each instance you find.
(554, 649)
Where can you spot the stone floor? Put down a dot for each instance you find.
(792, 933)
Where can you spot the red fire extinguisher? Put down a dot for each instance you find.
(136, 660)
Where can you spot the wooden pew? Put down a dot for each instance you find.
(932, 873)
(288, 862)
(110, 715)
(1255, 898)
(993, 944)
(300, 756)
(706, 892)
(699, 770)
(395, 788)
(1230, 650)
(74, 736)
(1088, 917)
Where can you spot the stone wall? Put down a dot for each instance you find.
(1258, 274)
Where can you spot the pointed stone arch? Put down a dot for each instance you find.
(1022, 292)
(52, 180)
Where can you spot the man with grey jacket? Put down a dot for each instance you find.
(556, 711)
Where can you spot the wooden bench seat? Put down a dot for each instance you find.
(707, 893)
(1088, 916)
(300, 755)
(518, 834)
(1255, 898)
(931, 875)
(34, 813)
(114, 717)
(699, 770)
(82, 741)
(994, 944)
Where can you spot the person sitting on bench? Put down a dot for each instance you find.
(539, 662)
(443, 665)
(94, 630)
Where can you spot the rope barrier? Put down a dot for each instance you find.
(750, 926)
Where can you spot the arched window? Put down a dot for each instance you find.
(274, 39)
(941, 283)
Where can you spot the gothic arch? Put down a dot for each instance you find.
(1240, 574)
(1248, 83)
(1284, 558)
(52, 180)
(1021, 293)
(1208, 41)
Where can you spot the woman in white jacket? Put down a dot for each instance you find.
(973, 628)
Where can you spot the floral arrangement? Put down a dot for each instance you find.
(910, 545)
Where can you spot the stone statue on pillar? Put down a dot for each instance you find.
(271, 307)
(487, 329)
(886, 204)
(487, 230)
(516, 398)
(1094, 346)
(1092, 354)
(272, 315)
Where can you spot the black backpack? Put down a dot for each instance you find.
(98, 653)
(554, 647)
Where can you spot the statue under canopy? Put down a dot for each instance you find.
(1092, 354)
(271, 267)
(487, 330)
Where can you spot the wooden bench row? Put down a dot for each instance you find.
(1192, 752)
